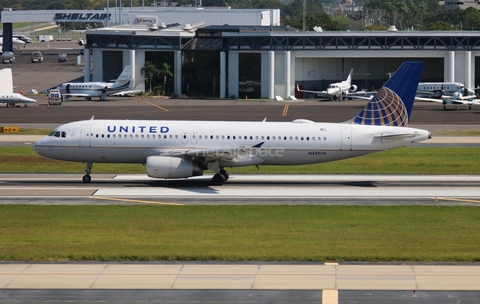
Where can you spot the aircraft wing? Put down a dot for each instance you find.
(242, 154)
(68, 95)
(321, 93)
(463, 100)
(127, 93)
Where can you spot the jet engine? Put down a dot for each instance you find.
(172, 167)
(353, 88)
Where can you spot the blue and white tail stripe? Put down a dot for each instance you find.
(393, 103)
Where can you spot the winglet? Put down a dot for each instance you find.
(259, 145)
(393, 103)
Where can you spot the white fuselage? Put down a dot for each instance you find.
(14, 98)
(92, 89)
(338, 88)
(280, 143)
(448, 88)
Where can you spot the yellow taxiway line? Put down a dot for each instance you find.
(136, 201)
(457, 200)
(285, 109)
(152, 104)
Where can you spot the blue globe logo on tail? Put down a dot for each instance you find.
(386, 108)
(393, 103)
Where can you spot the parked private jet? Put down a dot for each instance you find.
(98, 89)
(6, 91)
(432, 89)
(456, 99)
(15, 41)
(182, 149)
(338, 90)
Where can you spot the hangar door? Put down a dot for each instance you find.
(112, 65)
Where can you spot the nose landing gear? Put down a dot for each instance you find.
(88, 170)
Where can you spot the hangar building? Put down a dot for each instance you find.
(257, 60)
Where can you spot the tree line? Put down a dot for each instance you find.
(328, 14)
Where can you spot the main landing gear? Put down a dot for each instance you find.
(88, 170)
(220, 178)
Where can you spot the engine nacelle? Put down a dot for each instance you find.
(172, 167)
(353, 88)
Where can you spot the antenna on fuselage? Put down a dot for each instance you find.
(92, 117)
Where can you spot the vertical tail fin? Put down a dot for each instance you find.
(125, 77)
(393, 103)
(6, 81)
(349, 78)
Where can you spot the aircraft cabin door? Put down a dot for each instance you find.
(184, 138)
(85, 136)
(346, 139)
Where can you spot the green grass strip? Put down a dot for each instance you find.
(21, 159)
(239, 233)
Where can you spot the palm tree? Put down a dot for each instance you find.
(149, 69)
(165, 71)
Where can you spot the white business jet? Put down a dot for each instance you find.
(182, 149)
(99, 89)
(338, 90)
(15, 41)
(456, 99)
(6, 91)
(430, 89)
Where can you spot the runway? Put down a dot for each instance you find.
(242, 189)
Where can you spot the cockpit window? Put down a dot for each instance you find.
(64, 134)
(57, 134)
(52, 133)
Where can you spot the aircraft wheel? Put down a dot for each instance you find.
(470, 107)
(25, 106)
(86, 178)
(225, 174)
(218, 179)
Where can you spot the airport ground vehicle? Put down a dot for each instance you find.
(54, 97)
(45, 38)
(62, 57)
(8, 57)
(37, 56)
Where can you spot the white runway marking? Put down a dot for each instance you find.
(360, 186)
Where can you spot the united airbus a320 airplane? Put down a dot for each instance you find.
(181, 149)
(98, 89)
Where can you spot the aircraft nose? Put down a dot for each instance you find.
(40, 147)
